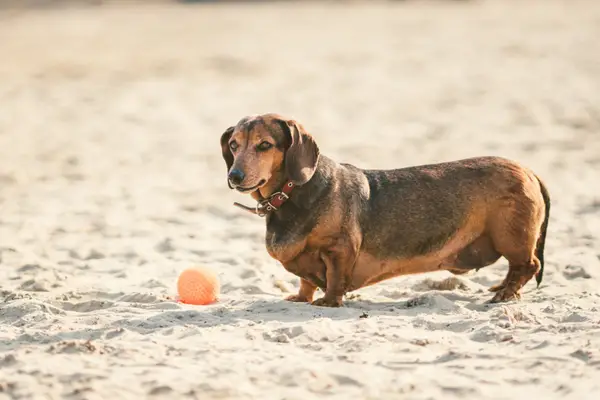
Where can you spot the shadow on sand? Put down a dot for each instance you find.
(167, 315)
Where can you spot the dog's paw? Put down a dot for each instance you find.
(296, 298)
(497, 287)
(505, 295)
(325, 302)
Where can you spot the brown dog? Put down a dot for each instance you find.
(340, 228)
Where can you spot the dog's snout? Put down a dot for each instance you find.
(236, 176)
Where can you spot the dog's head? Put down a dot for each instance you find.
(262, 148)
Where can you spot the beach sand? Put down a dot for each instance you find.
(112, 182)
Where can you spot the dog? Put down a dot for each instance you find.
(341, 228)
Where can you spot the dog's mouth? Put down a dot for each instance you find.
(242, 189)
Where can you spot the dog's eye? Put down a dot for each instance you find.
(233, 146)
(264, 146)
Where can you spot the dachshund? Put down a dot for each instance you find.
(341, 228)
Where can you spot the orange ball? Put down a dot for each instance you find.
(198, 286)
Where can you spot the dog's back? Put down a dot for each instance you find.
(415, 210)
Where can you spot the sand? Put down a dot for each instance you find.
(112, 182)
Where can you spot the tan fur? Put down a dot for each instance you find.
(345, 228)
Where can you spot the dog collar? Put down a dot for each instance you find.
(272, 203)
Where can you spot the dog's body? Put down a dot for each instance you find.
(344, 228)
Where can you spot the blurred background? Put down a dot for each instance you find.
(112, 180)
(111, 111)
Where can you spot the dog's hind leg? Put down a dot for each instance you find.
(515, 231)
(518, 275)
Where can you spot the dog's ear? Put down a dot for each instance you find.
(302, 155)
(226, 151)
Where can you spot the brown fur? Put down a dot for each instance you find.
(345, 228)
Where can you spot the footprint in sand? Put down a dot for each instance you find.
(74, 347)
(87, 306)
(575, 272)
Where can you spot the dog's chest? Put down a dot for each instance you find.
(284, 245)
(286, 239)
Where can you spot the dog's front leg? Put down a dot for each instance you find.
(305, 294)
(338, 270)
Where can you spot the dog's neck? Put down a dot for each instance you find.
(303, 196)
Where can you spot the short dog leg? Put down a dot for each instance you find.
(515, 230)
(518, 275)
(336, 280)
(499, 286)
(305, 294)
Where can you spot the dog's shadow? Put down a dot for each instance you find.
(166, 316)
(264, 311)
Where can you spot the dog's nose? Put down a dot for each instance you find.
(236, 176)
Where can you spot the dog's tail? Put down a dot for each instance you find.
(539, 251)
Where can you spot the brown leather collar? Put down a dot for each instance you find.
(272, 203)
